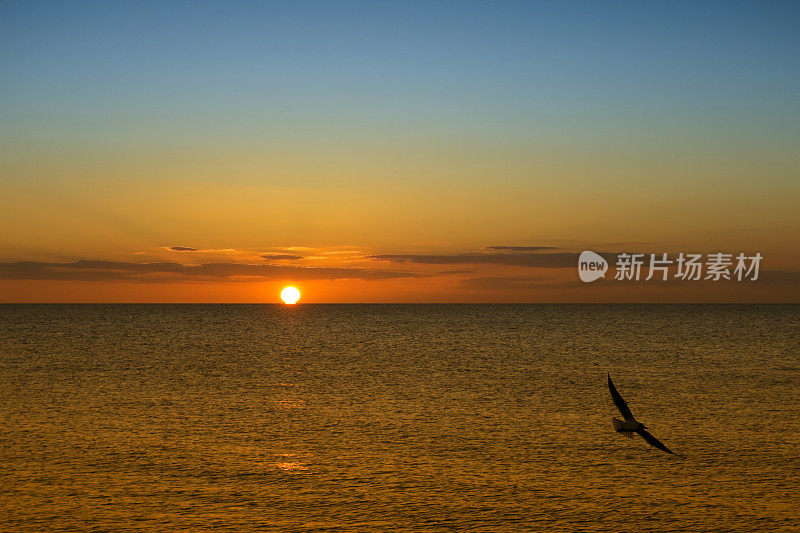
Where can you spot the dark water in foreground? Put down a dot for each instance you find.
(397, 418)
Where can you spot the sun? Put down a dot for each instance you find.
(290, 295)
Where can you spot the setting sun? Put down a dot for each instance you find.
(290, 295)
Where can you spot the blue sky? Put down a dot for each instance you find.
(366, 63)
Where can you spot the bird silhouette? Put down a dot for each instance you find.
(630, 425)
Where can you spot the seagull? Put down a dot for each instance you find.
(630, 425)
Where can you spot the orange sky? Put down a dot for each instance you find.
(350, 274)
(397, 131)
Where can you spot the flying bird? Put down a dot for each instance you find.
(630, 425)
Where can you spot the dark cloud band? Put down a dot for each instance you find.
(531, 259)
(281, 257)
(172, 272)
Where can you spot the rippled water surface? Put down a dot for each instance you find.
(397, 418)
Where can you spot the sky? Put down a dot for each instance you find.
(394, 151)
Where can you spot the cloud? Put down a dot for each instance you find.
(499, 283)
(521, 248)
(224, 251)
(772, 278)
(279, 257)
(528, 259)
(176, 272)
(519, 258)
(789, 279)
(776, 277)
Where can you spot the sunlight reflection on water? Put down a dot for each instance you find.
(401, 418)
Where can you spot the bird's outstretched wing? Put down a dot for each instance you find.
(652, 441)
(619, 402)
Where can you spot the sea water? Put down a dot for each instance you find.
(398, 417)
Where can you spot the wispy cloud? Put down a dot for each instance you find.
(499, 283)
(175, 272)
(789, 280)
(528, 259)
(281, 257)
(521, 248)
(226, 251)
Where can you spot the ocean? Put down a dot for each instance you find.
(398, 418)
